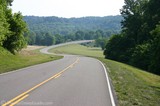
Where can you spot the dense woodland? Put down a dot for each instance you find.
(12, 28)
(139, 42)
(65, 26)
(43, 29)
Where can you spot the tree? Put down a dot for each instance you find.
(155, 49)
(79, 35)
(16, 41)
(48, 39)
(59, 39)
(99, 34)
(139, 42)
(118, 48)
(31, 38)
(4, 26)
(12, 28)
(152, 14)
(141, 56)
(39, 38)
(132, 12)
(9, 2)
(101, 42)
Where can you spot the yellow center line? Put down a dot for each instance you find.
(19, 97)
(58, 76)
(22, 98)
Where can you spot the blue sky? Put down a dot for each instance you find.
(68, 8)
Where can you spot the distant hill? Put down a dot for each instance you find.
(64, 26)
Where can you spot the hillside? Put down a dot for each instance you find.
(26, 57)
(64, 26)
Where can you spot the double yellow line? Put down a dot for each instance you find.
(25, 94)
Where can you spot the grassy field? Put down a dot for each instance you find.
(132, 86)
(77, 49)
(9, 62)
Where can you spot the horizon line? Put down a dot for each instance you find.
(70, 17)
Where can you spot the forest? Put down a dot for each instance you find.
(138, 43)
(64, 26)
(54, 30)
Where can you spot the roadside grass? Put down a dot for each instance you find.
(77, 49)
(10, 62)
(133, 87)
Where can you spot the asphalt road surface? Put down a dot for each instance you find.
(71, 81)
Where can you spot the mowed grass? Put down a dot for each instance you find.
(10, 62)
(133, 87)
(77, 49)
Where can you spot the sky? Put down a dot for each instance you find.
(68, 8)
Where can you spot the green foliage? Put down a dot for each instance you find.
(79, 35)
(101, 42)
(16, 41)
(132, 12)
(136, 45)
(59, 39)
(141, 56)
(48, 39)
(155, 48)
(40, 38)
(9, 2)
(31, 37)
(45, 39)
(152, 14)
(4, 26)
(64, 30)
(118, 48)
(65, 26)
(12, 28)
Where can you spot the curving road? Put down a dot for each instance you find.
(71, 81)
(45, 50)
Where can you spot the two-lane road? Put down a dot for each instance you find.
(71, 81)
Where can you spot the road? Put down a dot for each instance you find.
(71, 81)
(45, 50)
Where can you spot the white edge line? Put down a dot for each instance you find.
(109, 85)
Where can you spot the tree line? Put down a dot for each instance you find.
(46, 38)
(139, 42)
(55, 30)
(12, 28)
(65, 26)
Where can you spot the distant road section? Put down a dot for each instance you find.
(45, 50)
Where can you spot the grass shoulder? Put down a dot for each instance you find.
(10, 62)
(132, 85)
